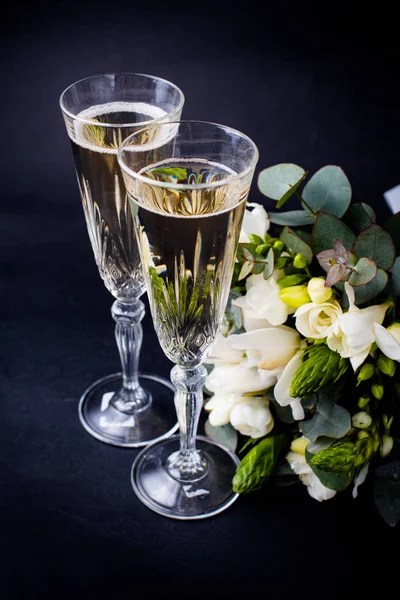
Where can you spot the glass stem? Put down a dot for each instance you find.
(132, 397)
(188, 464)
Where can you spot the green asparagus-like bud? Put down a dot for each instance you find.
(321, 366)
(386, 365)
(258, 464)
(339, 457)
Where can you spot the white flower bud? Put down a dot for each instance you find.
(317, 290)
(387, 445)
(361, 420)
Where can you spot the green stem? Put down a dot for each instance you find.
(305, 203)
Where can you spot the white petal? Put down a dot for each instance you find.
(238, 379)
(282, 388)
(387, 342)
(223, 351)
(351, 296)
(357, 359)
(361, 477)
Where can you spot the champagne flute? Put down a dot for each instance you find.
(188, 191)
(99, 112)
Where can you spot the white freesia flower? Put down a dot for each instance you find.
(388, 341)
(239, 378)
(352, 334)
(251, 416)
(317, 320)
(282, 388)
(254, 221)
(220, 406)
(298, 464)
(262, 305)
(253, 360)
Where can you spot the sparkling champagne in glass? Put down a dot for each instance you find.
(124, 409)
(187, 190)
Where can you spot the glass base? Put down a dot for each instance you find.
(185, 500)
(109, 425)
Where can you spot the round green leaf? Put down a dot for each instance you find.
(291, 217)
(296, 244)
(328, 191)
(365, 272)
(368, 291)
(393, 227)
(377, 244)
(280, 181)
(395, 277)
(327, 229)
(359, 216)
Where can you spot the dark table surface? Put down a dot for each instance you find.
(308, 89)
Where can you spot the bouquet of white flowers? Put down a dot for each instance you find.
(305, 369)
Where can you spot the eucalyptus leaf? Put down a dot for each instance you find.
(333, 481)
(328, 191)
(368, 291)
(365, 271)
(386, 491)
(329, 420)
(395, 277)
(359, 216)
(319, 444)
(269, 267)
(392, 225)
(335, 274)
(258, 464)
(295, 244)
(279, 182)
(291, 217)
(377, 244)
(327, 229)
(224, 434)
(245, 270)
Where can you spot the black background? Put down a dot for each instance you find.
(312, 84)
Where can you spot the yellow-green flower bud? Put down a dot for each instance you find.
(362, 435)
(363, 401)
(299, 445)
(256, 239)
(278, 245)
(262, 249)
(377, 390)
(317, 290)
(386, 365)
(361, 420)
(394, 329)
(387, 445)
(299, 261)
(295, 295)
(366, 372)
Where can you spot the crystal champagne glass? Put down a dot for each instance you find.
(123, 409)
(187, 188)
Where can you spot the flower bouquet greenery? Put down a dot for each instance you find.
(304, 375)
